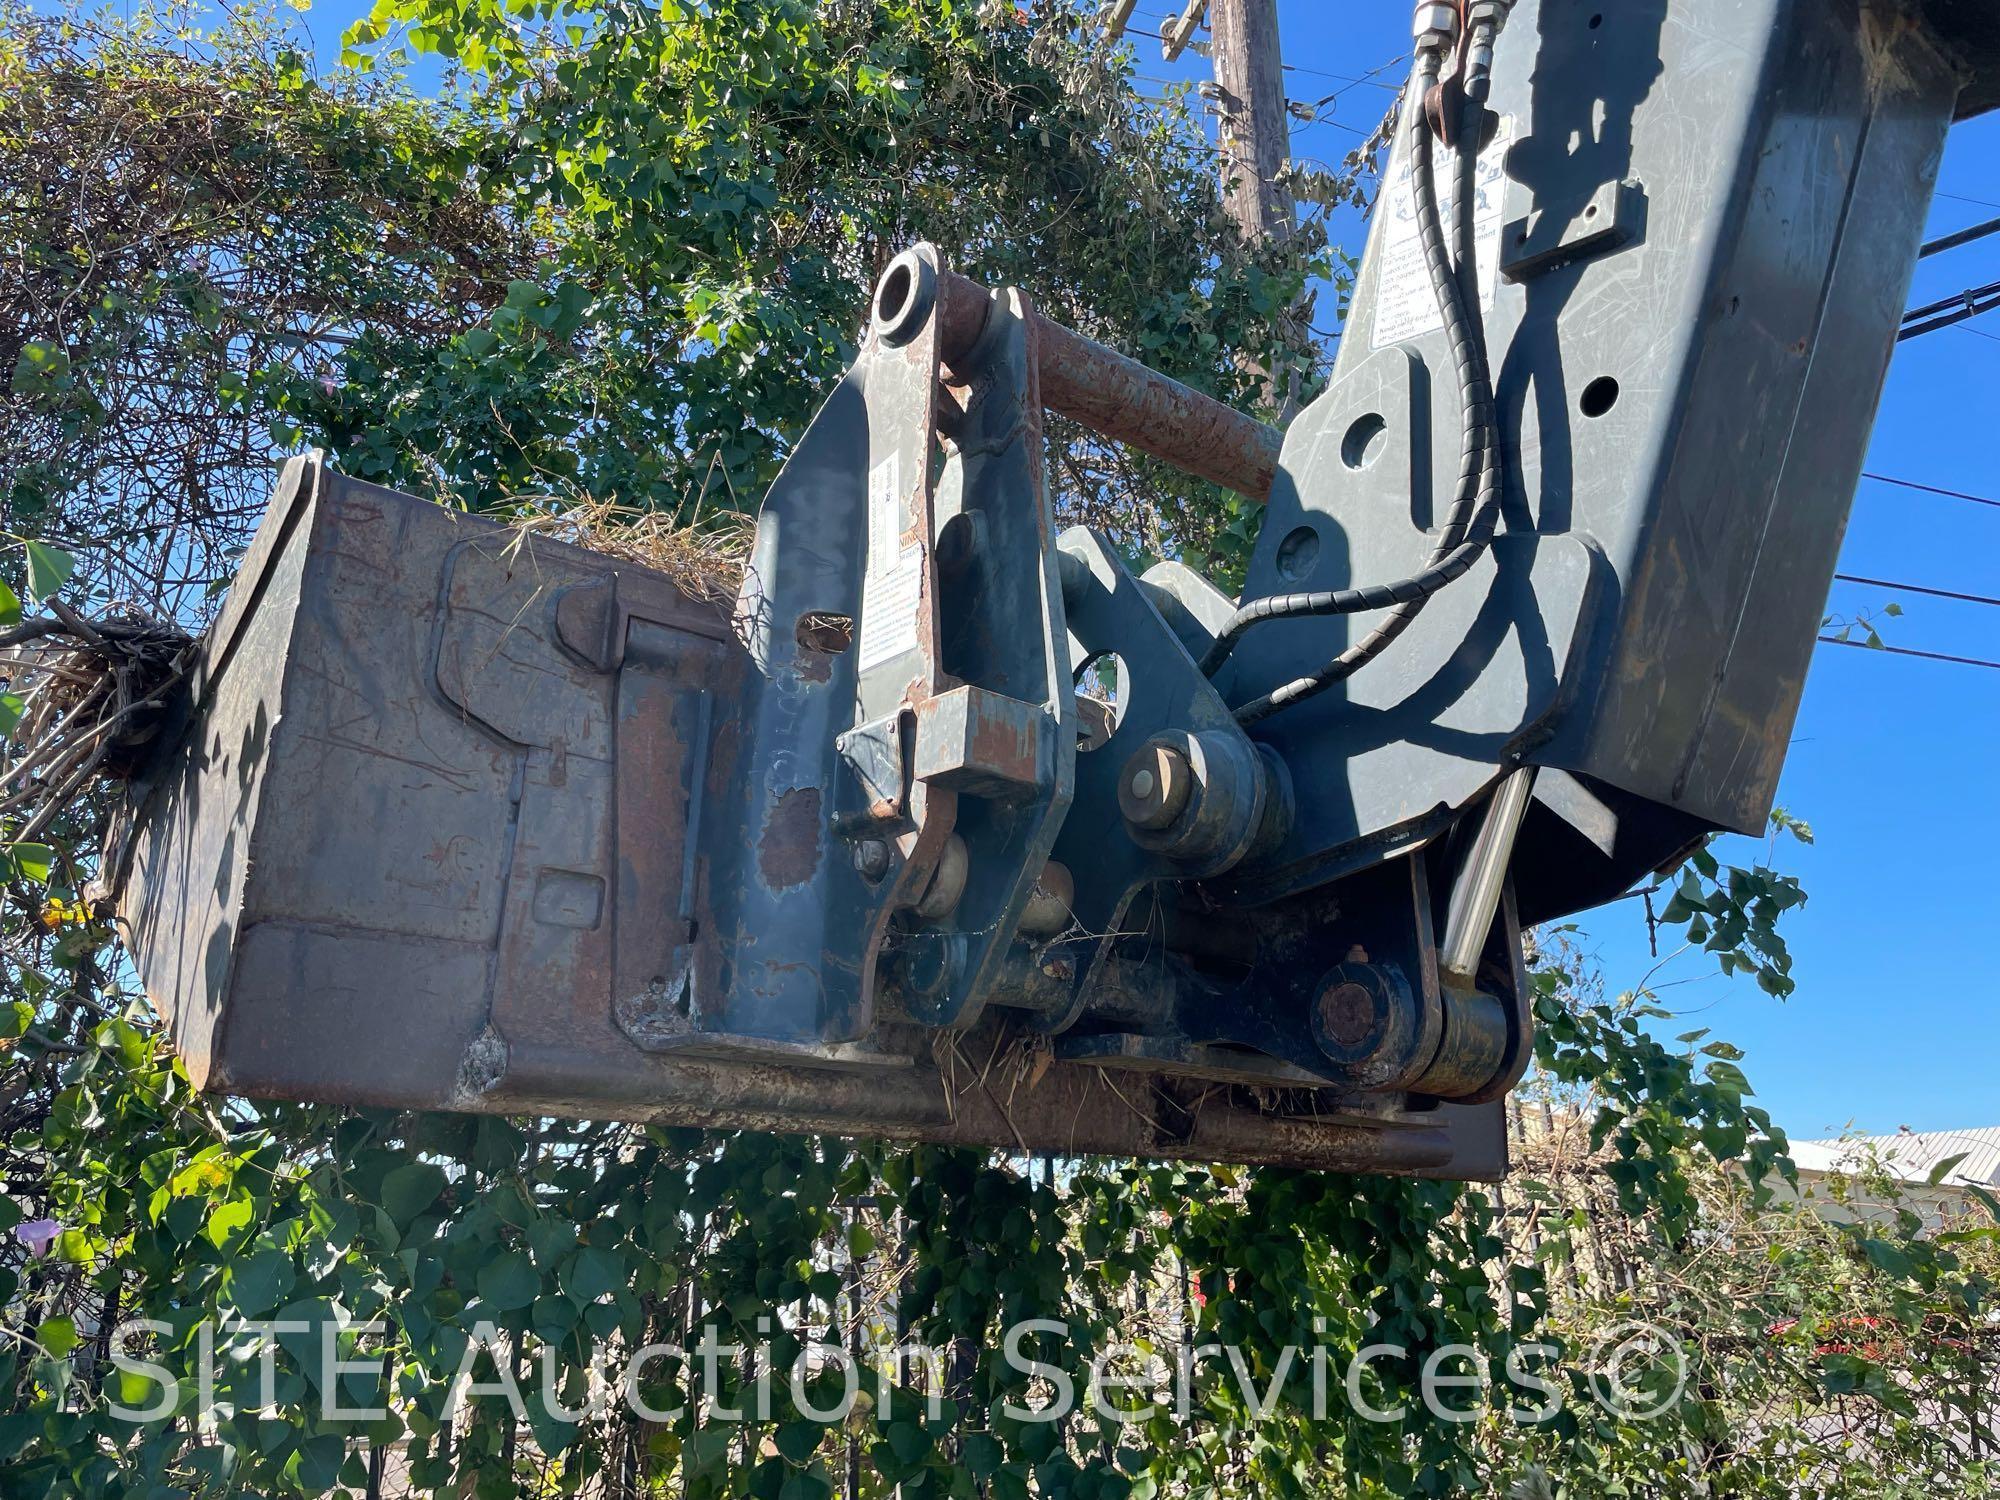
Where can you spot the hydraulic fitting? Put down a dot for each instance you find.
(1435, 26)
(1484, 20)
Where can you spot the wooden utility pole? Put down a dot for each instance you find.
(1256, 138)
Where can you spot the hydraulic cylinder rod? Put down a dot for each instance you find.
(1122, 399)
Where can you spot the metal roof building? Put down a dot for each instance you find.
(1911, 1156)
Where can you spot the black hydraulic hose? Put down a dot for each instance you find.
(1474, 513)
(1463, 524)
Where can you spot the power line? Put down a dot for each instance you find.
(1371, 77)
(1961, 198)
(1961, 237)
(1368, 78)
(1969, 303)
(1957, 299)
(1959, 661)
(1918, 588)
(1336, 124)
(1947, 312)
(1931, 489)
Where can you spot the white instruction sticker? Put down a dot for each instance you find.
(892, 589)
(1405, 302)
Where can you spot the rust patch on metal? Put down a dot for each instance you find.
(725, 749)
(788, 850)
(1120, 398)
(1007, 747)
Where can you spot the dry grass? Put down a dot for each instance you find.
(705, 560)
(93, 697)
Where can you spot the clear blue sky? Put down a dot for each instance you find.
(1897, 1018)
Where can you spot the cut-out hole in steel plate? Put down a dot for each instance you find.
(825, 633)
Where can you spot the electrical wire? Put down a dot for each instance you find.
(1961, 237)
(1931, 489)
(1961, 198)
(1957, 300)
(1918, 588)
(1943, 313)
(1959, 661)
(1371, 77)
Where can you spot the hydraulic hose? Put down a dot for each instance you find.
(1474, 513)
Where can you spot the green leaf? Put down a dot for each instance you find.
(983, 1454)
(550, 1240)
(49, 569)
(798, 1441)
(319, 1462)
(42, 368)
(10, 605)
(825, 1285)
(12, 706)
(909, 1442)
(805, 1485)
(1729, 1077)
(592, 1273)
(31, 861)
(553, 1433)
(1945, 1168)
(259, 1282)
(410, 1189)
(230, 1222)
(508, 1282)
(1893, 1259)
(57, 1335)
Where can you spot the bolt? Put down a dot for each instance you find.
(1155, 787)
(1346, 1014)
(871, 859)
